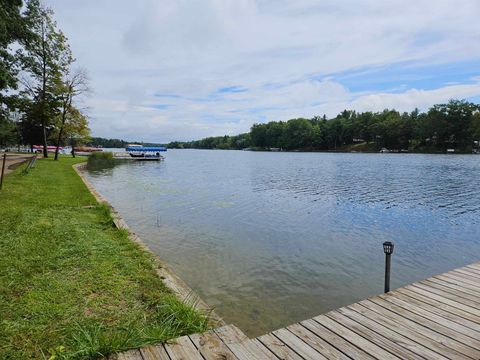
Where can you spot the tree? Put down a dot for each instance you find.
(12, 30)
(8, 132)
(258, 133)
(449, 123)
(334, 130)
(274, 135)
(76, 129)
(46, 57)
(71, 86)
(475, 129)
(298, 134)
(456, 124)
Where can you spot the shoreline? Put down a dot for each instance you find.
(164, 272)
(336, 151)
(74, 284)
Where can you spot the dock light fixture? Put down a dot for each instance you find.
(388, 250)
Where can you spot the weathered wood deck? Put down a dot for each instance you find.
(437, 318)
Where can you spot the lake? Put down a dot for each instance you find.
(269, 239)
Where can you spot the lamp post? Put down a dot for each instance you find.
(388, 250)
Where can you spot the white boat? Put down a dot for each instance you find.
(145, 153)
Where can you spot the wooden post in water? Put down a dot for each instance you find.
(3, 169)
(388, 250)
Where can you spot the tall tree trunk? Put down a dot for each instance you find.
(72, 142)
(60, 133)
(44, 95)
(67, 103)
(44, 139)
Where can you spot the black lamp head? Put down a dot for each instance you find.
(388, 247)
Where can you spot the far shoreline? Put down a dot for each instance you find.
(338, 151)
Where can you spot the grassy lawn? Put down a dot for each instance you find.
(71, 285)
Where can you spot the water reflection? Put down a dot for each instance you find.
(273, 238)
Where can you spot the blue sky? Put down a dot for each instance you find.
(166, 70)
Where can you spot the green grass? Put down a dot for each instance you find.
(72, 286)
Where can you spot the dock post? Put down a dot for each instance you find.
(388, 250)
(3, 169)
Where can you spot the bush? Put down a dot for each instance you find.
(101, 155)
(100, 159)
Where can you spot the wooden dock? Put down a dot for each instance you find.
(437, 318)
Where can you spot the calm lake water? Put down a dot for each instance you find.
(269, 239)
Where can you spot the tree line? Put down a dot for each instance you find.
(116, 143)
(454, 125)
(40, 86)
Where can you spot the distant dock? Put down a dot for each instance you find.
(437, 318)
(141, 153)
(126, 156)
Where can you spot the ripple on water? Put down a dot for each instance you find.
(273, 238)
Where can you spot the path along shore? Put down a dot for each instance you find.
(13, 161)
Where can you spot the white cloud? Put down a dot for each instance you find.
(191, 48)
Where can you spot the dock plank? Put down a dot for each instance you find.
(413, 330)
(429, 295)
(182, 349)
(157, 352)
(278, 347)
(447, 295)
(451, 313)
(393, 336)
(413, 311)
(467, 272)
(316, 342)
(451, 333)
(472, 268)
(354, 338)
(130, 355)
(466, 281)
(454, 286)
(435, 318)
(401, 328)
(466, 285)
(464, 293)
(374, 337)
(335, 340)
(241, 346)
(475, 265)
(299, 346)
(211, 346)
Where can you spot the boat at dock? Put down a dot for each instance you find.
(144, 153)
(50, 148)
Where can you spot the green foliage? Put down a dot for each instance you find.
(452, 125)
(107, 143)
(46, 57)
(12, 29)
(8, 132)
(101, 155)
(105, 213)
(175, 317)
(44, 102)
(219, 142)
(71, 285)
(100, 159)
(116, 143)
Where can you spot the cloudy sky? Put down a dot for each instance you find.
(166, 70)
